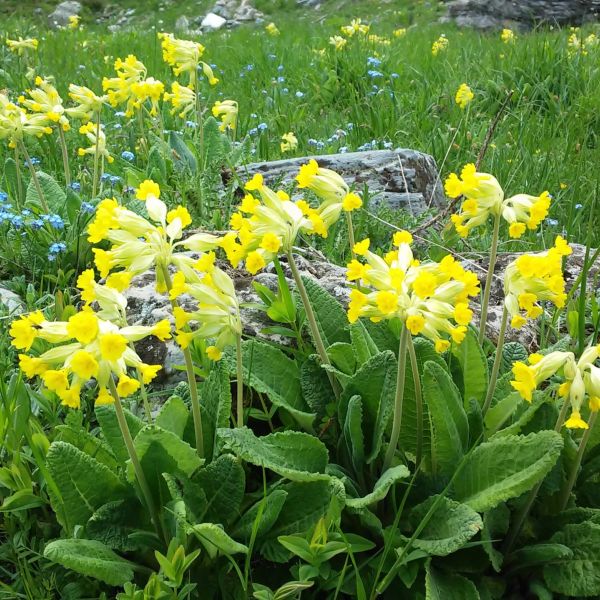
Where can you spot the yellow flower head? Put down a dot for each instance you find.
(464, 95)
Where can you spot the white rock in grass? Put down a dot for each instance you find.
(59, 17)
(11, 302)
(212, 21)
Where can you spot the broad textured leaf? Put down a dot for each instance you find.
(342, 356)
(269, 371)
(292, 454)
(215, 540)
(442, 585)
(183, 158)
(316, 387)
(87, 443)
(55, 196)
(215, 405)
(506, 467)
(223, 482)
(539, 554)
(502, 411)
(381, 488)
(268, 508)
(474, 368)
(107, 419)
(352, 436)
(362, 343)
(90, 558)
(578, 575)
(174, 416)
(114, 522)
(511, 353)
(495, 527)
(84, 483)
(450, 527)
(375, 383)
(449, 424)
(10, 177)
(329, 313)
(161, 451)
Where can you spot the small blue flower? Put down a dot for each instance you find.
(350, 126)
(262, 127)
(280, 68)
(36, 224)
(285, 91)
(56, 221)
(578, 206)
(119, 114)
(312, 142)
(191, 124)
(280, 79)
(373, 74)
(3, 196)
(75, 186)
(552, 222)
(87, 208)
(250, 67)
(117, 126)
(127, 155)
(17, 221)
(394, 75)
(373, 62)
(388, 145)
(320, 145)
(55, 249)
(299, 94)
(253, 131)
(272, 56)
(343, 150)
(105, 176)
(253, 116)
(114, 180)
(25, 212)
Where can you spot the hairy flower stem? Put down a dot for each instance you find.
(191, 376)
(96, 175)
(34, 178)
(488, 281)
(135, 461)
(312, 322)
(65, 155)
(566, 491)
(240, 381)
(19, 180)
(143, 392)
(398, 400)
(418, 399)
(497, 363)
(518, 522)
(350, 233)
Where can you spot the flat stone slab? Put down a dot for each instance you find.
(399, 179)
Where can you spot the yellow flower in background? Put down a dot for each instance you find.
(524, 211)
(464, 96)
(45, 100)
(183, 56)
(271, 29)
(227, 111)
(400, 32)
(356, 26)
(507, 36)
(97, 140)
(22, 44)
(182, 98)
(430, 298)
(289, 142)
(338, 42)
(440, 45)
(532, 278)
(16, 123)
(88, 103)
(74, 21)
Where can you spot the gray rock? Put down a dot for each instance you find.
(182, 23)
(400, 179)
(213, 21)
(11, 302)
(495, 14)
(235, 12)
(59, 17)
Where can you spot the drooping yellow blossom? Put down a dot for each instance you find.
(400, 32)
(22, 44)
(85, 347)
(525, 212)
(45, 99)
(430, 298)
(289, 142)
(532, 278)
(356, 26)
(338, 42)
(440, 45)
(464, 95)
(74, 21)
(97, 140)
(16, 123)
(183, 56)
(227, 111)
(182, 98)
(272, 29)
(507, 36)
(88, 103)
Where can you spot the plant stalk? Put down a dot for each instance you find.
(240, 381)
(312, 322)
(135, 461)
(19, 180)
(34, 178)
(398, 400)
(350, 233)
(488, 281)
(418, 400)
(518, 523)
(96, 157)
(566, 492)
(65, 155)
(497, 363)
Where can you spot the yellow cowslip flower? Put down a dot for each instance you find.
(507, 36)
(272, 29)
(351, 202)
(440, 45)
(464, 95)
(21, 45)
(378, 39)
(532, 278)
(227, 111)
(147, 89)
(524, 211)
(430, 298)
(97, 140)
(338, 42)
(183, 56)
(74, 21)
(289, 142)
(356, 26)
(137, 243)
(86, 347)
(217, 314)
(88, 103)
(581, 379)
(400, 32)
(16, 123)
(45, 100)
(182, 98)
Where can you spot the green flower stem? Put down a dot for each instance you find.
(144, 395)
(65, 154)
(34, 178)
(135, 461)
(312, 321)
(418, 399)
(350, 233)
(96, 175)
(497, 363)
(191, 376)
(240, 381)
(566, 491)
(19, 180)
(488, 281)
(399, 399)
(518, 522)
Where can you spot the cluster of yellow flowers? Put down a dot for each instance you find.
(22, 44)
(464, 95)
(338, 42)
(576, 45)
(356, 27)
(507, 36)
(272, 29)
(484, 197)
(430, 298)
(97, 139)
(227, 111)
(440, 45)
(45, 100)
(16, 123)
(532, 278)
(581, 379)
(88, 103)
